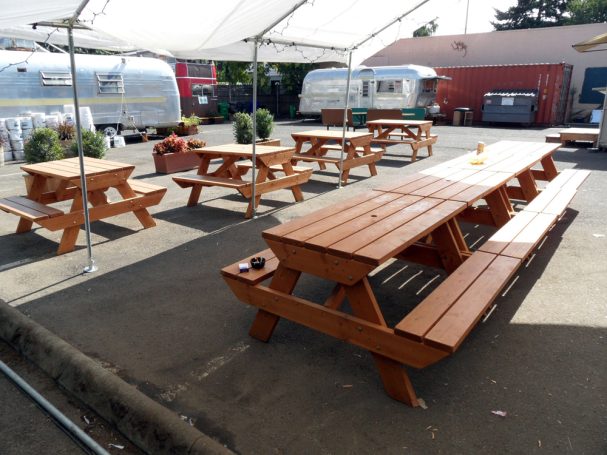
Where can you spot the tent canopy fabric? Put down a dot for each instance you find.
(194, 30)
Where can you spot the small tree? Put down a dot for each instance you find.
(264, 123)
(43, 145)
(243, 128)
(93, 144)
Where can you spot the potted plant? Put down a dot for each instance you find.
(174, 154)
(188, 126)
(43, 145)
(264, 124)
(243, 128)
(93, 144)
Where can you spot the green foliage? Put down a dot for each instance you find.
(241, 73)
(43, 145)
(93, 144)
(243, 128)
(426, 30)
(192, 120)
(264, 123)
(293, 75)
(532, 14)
(587, 11)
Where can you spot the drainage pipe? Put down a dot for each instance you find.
(66, 424)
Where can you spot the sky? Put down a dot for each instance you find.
(452, 15)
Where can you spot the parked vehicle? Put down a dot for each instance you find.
(123, 93)
(197, 83)
(384, 87)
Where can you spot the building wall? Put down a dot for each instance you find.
(543, 45)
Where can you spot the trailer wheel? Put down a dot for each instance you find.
(109, 130)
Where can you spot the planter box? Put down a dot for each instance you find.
(187, 130)
(175, 162)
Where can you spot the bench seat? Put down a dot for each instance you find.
(247, 164)
(358, 149)
(145, 188)
(313, 158)
(28, 209)
(187, 181)
(448, 314)
(253, 276)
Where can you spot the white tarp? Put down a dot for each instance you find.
(195, 29)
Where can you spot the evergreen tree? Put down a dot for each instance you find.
(532, 14)
(587, 11)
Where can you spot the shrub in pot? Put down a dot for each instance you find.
(93, 144)
(264, 123)
(43, 145)
(243, 128)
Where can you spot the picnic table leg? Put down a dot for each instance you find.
(263, 326)
(70, 234)
(142, 215)
(500, 212)
(393, 375)
(449, 246)
(528, 186)
(549, 167)
(34, 193)
(295, 189)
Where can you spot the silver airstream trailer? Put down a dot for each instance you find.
(123, 93)
(384, 87)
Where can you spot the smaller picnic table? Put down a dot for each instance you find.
(415, 133)
(358, 151)
(56, 181)
(269, 161)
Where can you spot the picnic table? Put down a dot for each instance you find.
(56, 181)
(270, 161)
(358, 150)
(415, 133)
(416, 219)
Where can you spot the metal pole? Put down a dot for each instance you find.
(91, 267)
(343, 132)
(466, 24)
(60, 418)
(254, 116)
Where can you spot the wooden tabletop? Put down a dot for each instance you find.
(329, 134)
(395, 122)
(242, 149)
(370, 228)
(69, 169)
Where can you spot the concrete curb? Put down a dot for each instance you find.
(150, 426)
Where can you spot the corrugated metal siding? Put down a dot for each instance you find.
(470, 83)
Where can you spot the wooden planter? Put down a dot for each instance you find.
(274, 142)
(187, 130)
(175, 162)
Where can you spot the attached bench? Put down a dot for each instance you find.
(247, 164)
(337, 147)
(187, 181)
(28, 209)
(450, 312)
(253, 276)
(553, 138)
(146, 189)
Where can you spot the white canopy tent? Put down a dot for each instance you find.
(298, 31)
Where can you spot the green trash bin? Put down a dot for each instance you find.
(292, 111)
(224, 110)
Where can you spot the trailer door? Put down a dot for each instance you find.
(367, 95)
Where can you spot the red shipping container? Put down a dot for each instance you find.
(468, 84)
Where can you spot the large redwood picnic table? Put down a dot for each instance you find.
(415, 133)
(415, 219)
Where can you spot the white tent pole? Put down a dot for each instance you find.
(90, 267)
(344, 126)
(254, 117)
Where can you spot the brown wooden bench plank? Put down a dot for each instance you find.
(248, 164)
(314, 158)
(507, 233)
(208, 180)
(558, 193)
(526, 241)
(145, 188)
(28, 209)
(253, 276)
(453, 327)
(425, 315)
(337, 147)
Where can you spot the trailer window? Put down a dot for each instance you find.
(389, 86)
(55, 79)
(110, 83)
(202, 90)
(430, 85)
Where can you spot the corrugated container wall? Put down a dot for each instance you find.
(468, 84)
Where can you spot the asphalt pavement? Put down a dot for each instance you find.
(158, 316)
